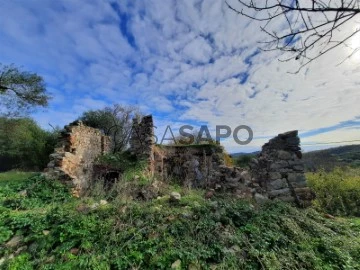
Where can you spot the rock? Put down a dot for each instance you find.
(254, 161)
(23, 193)
(260, 199)
(278, 184)
(20, 249)
(279, 165)
(51, 259)
(74, 251)
(209, 194)
(296, 178)
(245, 177)
(233, 249)
(294, 141)
(94, 206)
(291, 133)
(176, 265)
(175, 197)
(280, 192)
(298, 168)
(193, 266)
(284, 155)
(329, 216)
(15, 241)
(274, 175)
(103, 202)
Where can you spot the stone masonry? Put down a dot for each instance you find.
(142, 140)
(192, 166)
(74, 155)
(278, 172)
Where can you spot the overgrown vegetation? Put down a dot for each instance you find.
(56, 231)
(243, 161)
(121, 160)
(338, 191)
(24, 145)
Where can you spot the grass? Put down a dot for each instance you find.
(14, 176)
(62, 232)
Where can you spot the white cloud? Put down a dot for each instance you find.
(189, 59)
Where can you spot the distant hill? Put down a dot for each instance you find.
(327, 159)
(236, 155)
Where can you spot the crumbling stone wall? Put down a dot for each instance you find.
(278, 172)
(142, 140)
(74, 155)
(193, 165)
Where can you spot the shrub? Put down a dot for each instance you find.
(338, 191)
(24, 145)
(243, 161)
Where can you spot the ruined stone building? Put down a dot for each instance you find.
(278, 171)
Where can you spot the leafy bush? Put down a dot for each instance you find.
(122, 161)
(24, 145)
(337, 192)
(38, 191)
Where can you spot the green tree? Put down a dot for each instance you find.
(20, 91)
(115, 121)
(24, 145)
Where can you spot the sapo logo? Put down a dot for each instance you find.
(187, 135)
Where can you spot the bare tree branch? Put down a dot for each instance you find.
(310, 25)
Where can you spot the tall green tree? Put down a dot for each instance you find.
(24, 145)
(20, 91)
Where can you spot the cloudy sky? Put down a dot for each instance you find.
(186, 62)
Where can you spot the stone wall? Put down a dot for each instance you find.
(142, 140)
(74, 155)
(278, 172)
(192, 166)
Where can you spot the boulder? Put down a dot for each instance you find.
(284, 155)
(15, 241)
(175, 197)
(260, 199)
(278, 184)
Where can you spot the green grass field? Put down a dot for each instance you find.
(57, 231)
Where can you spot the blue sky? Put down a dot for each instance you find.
(186, 62)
